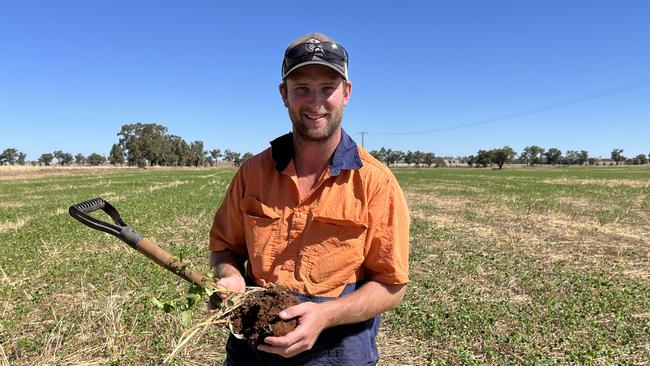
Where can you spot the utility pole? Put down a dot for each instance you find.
(362, 136)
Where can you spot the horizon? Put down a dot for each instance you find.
(444, 78)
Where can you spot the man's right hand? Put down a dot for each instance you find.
(232, 284)
(228, 267)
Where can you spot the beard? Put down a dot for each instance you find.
(311, 133)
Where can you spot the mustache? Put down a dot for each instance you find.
(314, 111)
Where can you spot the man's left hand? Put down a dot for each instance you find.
(311, 322)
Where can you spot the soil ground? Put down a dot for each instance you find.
(257, 317)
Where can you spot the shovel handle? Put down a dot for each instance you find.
(162, 257)
(81, 212)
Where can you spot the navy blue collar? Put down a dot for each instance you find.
(345, 157)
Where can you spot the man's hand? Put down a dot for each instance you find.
(228, 267)
(234, 283)
(371, 299)
(311, 322)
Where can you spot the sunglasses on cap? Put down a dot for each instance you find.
(330, 53)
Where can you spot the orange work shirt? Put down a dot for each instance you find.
(352, 226)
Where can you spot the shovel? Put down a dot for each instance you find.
(137, 241)
(134, 239)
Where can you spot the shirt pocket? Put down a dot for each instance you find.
(261, 225)
(336, 247)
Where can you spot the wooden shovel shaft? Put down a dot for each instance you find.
(147, 247)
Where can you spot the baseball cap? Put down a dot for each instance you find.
(315, 49)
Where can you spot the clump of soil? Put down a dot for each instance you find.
(257, 317)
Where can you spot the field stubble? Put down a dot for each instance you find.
(525, 266)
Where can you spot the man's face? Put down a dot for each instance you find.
(315, 96)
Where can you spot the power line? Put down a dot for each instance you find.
(597, 94)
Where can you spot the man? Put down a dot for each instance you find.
(320, 216)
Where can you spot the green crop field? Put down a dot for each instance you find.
(520, 266)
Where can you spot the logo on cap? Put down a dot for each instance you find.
(314, 45)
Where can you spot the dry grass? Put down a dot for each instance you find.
(10, 204)
(29, 172)
(612, 183)
(3, 357)
(399, 350)
(173, 184)
(13, 225)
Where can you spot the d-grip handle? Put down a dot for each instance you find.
(133, 238)
(119, 229)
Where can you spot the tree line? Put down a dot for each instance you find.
(143, 144)
(531, 156)
(139, 144)
(11, 156)
(534, 154)
(418, 158)
(149, 144)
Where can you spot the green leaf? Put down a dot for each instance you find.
(168, 307)
(192, 299)
(186, 317)
(196, 289)
(159, 304)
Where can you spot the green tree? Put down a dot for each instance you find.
(470, 160)
(8, 156)
(409, 158)
(21, 158)
(571, 157)
(583, 157)
(502, 156)
(385, 156)
(239, 160)
(231, 156)
(80, 159)
(144, 143)
(429, 159)
(440, 162)
(532, 155)
(178, 152)
(95, 159)
(63, 158)
(198, 153)
(418, 158)
(116, 156)
(553, 156)
(375, 154)
(46, 159)
(215, 154)
(380, 155)
(640, 159)
(484, 158)
(617, 155)
(396, 156)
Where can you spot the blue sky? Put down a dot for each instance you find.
(73, 72)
